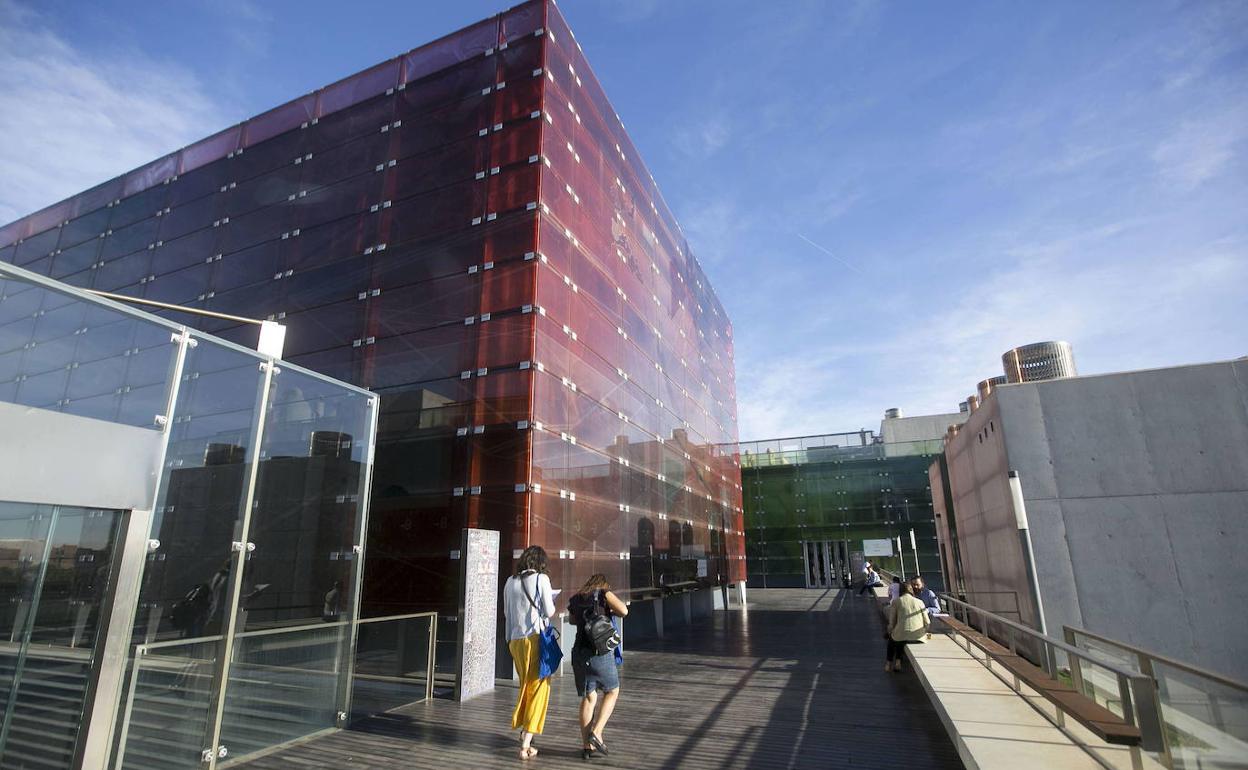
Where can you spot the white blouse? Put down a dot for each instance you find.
(522, 617)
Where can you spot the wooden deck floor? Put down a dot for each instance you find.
(796, 681)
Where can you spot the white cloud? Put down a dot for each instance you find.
(703, 138)
(1200, 148)
(1121, 305)
(71, 119)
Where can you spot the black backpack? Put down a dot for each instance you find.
(599, 630)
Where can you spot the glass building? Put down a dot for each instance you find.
(467, 232)
(813, 503)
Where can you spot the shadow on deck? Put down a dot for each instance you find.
(796, 681)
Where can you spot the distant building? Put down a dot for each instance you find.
(813, 504)
(1136, 493)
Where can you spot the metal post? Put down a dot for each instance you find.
(101, 710)
(347, 671)
(1029, 556)
(116, 629)
(914, 549)
(1076, 670)
(433, 659)
(213, 750)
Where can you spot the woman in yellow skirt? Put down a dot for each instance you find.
(529, 604)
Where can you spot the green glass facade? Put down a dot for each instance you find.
(812, 501)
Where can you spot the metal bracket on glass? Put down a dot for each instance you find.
(153, 545)
(162, 420)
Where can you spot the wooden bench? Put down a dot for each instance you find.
(1104, 723)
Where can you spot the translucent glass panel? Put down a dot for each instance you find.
(307, 518)
(283, 685)
(211, 445)
(65, 354)
(167, 709)
(54, 584)
(393, 664)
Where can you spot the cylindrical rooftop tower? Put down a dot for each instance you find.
(1039, 361)
(987, 386)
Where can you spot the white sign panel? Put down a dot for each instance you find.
(877, 547)
(478, 612)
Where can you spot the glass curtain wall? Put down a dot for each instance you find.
(245, 618)
(633, 395)
(840, 489)
(467, 230)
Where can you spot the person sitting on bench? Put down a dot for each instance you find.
(870, 580)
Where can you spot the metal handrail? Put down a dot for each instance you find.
(1137, 692)
(1146, 659)
(1140, 652)
(409, 616)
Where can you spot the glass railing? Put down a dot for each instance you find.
(284, 684)
(1204, 714)
(394, 663)
(167, 713)
(763, 454)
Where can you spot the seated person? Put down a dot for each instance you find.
(925, 595)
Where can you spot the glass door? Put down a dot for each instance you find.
(55, 568)
(817, 559)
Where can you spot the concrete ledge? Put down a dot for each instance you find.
(991, 725)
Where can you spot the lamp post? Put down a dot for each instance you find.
(1024, 540)
(901, 556)
(914, 549)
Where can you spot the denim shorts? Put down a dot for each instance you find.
(594, 672)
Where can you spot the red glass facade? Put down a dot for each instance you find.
(467, 230)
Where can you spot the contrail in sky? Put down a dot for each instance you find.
(830, 254)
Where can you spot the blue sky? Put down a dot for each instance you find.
(886, 195)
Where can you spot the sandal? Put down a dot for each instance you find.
(528, 753)
(598, 744)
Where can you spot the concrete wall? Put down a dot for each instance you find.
(1136, 486)
(923, 427)
(63, 459)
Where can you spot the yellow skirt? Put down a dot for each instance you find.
(530, 713)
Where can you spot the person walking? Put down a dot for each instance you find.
(908, 623)
(528, 606)
(596, 657)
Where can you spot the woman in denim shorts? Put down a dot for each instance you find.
(595, 672)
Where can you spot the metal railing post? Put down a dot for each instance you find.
(429, 669)
(347, 672)
(1076, 669)
(1148, 717)
(216, 712)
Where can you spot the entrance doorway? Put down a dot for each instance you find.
(825, 563)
